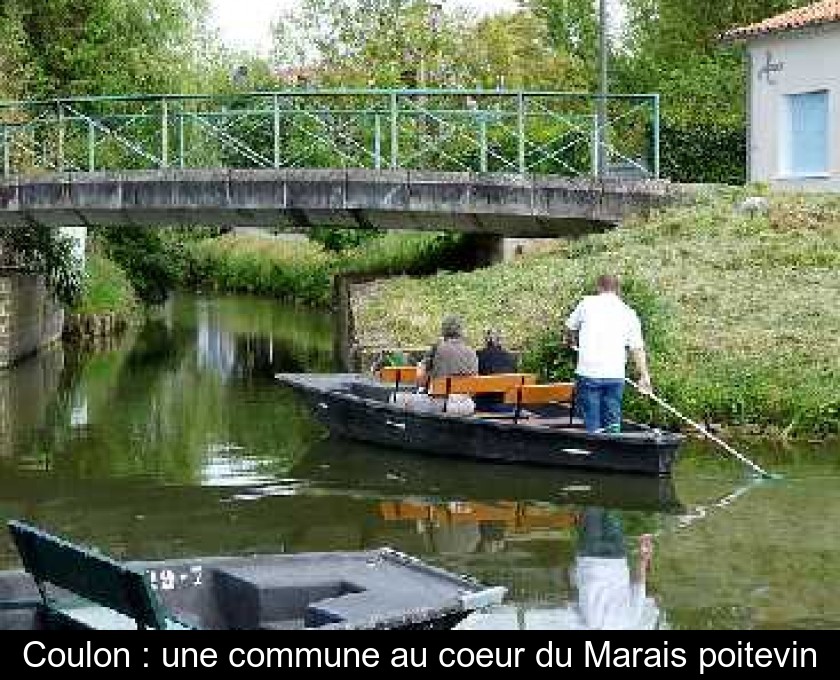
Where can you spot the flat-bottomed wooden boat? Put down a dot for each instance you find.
(362, 408)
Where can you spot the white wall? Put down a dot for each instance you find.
(810, 61)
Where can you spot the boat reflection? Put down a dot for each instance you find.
(607, 581)
(473, 527)
(382, 471)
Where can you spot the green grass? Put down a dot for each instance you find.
(741, 313)
(290, 270)
(105, 289)
(303, 271)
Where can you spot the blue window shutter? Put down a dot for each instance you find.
(808, 133)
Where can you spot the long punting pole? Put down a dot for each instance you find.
(701, 429)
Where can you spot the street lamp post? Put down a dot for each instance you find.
(435, 11)
(601, 129)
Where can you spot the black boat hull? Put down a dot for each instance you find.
(351, 406)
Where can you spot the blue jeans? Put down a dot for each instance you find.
(599, 402)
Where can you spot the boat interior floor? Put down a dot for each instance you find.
(314, 591)
(376, 588)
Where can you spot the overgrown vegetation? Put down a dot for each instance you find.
(155, 260)
(46, 251)
(144, 256)
(106, 289)
(303, 271)
(738, 309)
(64, 47)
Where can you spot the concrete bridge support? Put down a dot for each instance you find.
(30, 316)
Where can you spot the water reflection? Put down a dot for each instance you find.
(176, 442)
(380, 470)
(608, 596)
(604, 591)
(215, 346)
(188, 397)
(27, 393)
(467, 527)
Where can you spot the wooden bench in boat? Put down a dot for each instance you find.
(472, 385)
(398, 375)
(552, 393)
(106, 595)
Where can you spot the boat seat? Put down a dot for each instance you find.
(472, 385)
(88, 590)
(398, 375)
(258, 597)
(551, 393)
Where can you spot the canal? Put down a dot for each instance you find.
(175, 441)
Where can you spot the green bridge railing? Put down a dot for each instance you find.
(442, 130)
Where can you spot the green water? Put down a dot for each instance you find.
(175, 441)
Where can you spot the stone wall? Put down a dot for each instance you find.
(30, 317)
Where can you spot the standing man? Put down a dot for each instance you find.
(603, 328)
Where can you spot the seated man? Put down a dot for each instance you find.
(494, 359)
(450, 355)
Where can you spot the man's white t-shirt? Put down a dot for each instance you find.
(608, 599)
(606, 328)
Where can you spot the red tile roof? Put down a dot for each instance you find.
(825, 12)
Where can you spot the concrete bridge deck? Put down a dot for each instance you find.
(500, 204)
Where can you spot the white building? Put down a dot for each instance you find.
(794, 97)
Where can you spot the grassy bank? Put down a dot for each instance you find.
(303, 271)
(105, 290)
(741, 312)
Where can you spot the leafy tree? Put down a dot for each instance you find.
(515, 51)
(389, 43)
(407, 43)
(146, 257)
(673, 48)
(572, 28)
(673, 30)
(47, 251)
(106, 46)
(15, 67)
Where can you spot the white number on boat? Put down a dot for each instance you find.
(399, 426)
(577, 452)
(169, 579)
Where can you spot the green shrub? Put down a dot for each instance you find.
(105, 289)
(703, 153)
